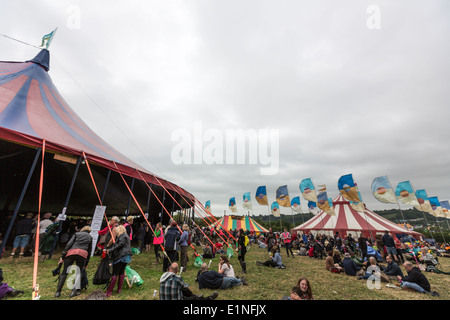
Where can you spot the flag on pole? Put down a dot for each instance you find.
(232, 205)
(47, 39)
(308, 190)
(436, 207)
(347, 187)
(423, 203)
(382, 190)
(357, 205)
(330, 203)
(312, 206)
(275, 209)
(295, 204)
(445, 205)
(405, 193)
(322, 199)
(208, 205)
(283, 196)
(261, 196)
(247, 204)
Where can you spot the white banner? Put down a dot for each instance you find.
(96, 224)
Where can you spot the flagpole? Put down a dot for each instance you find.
(396, 199)
(364, 208)
(423, 212)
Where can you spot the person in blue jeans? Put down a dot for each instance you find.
(415, 280)
(210, 279)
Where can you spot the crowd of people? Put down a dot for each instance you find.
(365, 258)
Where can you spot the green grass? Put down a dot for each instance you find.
(264, 283)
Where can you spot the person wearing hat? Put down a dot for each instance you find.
(350, 266)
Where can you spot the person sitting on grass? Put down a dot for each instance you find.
(274, 261)
(305, 289)
(173, 287)
(330, 265)
(392, 269)
(351, 268)
(415, 280)
(225, 267)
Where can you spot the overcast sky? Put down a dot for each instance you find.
(357, 87)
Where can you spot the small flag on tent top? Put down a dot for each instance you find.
(275, 209)
(208, 205)
(232, 205)
(308, 190)
(347, 187)
(312, 206)
(295, 204)
(247, 204)
(436, 207)
(405, 193)
(382, 190)
(283, 196)
(357, 205)
(330, 203)
(47, 39)
(261, 196)
(423, 203)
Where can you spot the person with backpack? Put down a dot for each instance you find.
(242, 250)
(78, 249)
(171, 246)
(120, 253)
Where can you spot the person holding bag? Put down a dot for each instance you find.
(120, 253)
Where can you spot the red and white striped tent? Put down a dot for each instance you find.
(347, 220)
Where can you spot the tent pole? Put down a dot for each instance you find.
(127, 212)
(66, 203)
(19, 202)
(106, 185)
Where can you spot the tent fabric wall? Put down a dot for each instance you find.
(32, 110)
(236, 223)
(347, 220)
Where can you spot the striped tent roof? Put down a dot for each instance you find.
(32, 109)
(238, 222)
(348, 220)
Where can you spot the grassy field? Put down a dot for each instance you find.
(264, 283)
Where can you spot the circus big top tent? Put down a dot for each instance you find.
(347, 220)
(33, 111)
(238, 222)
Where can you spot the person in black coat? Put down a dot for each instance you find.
(350, 266)
(120, 255)
(78, 249)
(171, 246)
(415, 279)
(392, 269)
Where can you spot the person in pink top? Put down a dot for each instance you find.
(286, 238)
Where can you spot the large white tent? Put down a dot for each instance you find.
(347, 220)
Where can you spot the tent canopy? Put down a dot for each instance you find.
(31, 111)
(238, 222)
(347, 220)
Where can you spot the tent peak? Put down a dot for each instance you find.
(42, 59)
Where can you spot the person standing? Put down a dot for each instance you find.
(390, 245)
(171, 246)
(120, 253)
(286, 237)
(184, 239)
(158, 239)
(242, 250)
(78, 249)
